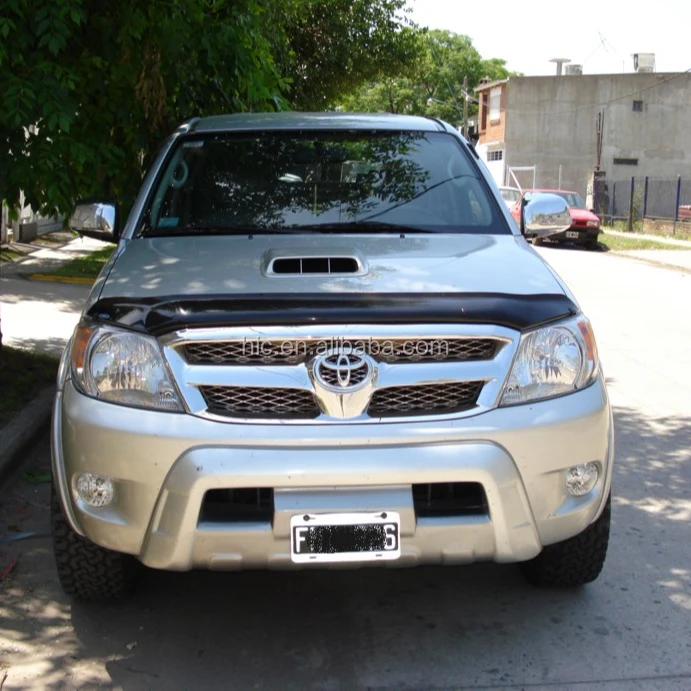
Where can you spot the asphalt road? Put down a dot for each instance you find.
(474, 627)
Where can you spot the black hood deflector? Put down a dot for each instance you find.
(161, 315)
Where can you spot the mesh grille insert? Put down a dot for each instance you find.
(264, 402)
(296, 351)
(425, 399)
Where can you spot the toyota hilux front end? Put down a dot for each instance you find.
(323, 341)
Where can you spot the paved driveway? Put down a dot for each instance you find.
(476, 627)
(38, 315)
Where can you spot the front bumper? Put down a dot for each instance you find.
(585, 235)
(163, 464)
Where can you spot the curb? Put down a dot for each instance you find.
(652, 262)
(671, 242)
(19, 435)
(51, 278)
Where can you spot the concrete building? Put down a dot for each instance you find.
(545, 131)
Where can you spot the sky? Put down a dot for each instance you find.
(601, 35)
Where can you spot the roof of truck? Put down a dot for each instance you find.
(292, 120)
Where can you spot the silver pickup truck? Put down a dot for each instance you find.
(323, 340)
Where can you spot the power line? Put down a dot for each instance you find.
(448, 86)
(597, 47)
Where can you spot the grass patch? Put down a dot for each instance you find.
(8, 255)
(22, 375)
(88, 266)
(617, 243)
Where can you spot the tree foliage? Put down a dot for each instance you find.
(90, 88)
(435, 85)
(329, 48)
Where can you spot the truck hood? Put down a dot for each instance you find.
(414, 264)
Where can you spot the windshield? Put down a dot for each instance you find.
(510, 195)
(572, 199)
(287, 181)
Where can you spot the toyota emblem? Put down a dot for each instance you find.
(343, 371)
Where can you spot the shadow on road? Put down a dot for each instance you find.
(63, 297)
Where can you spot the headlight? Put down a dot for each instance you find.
(552, 361)
(122, 367)
(593, 224)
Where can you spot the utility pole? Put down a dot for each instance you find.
(465, 107)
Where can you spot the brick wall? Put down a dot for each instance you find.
(494, 131)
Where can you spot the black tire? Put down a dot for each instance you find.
(537, 242)
(86, 571)
(574, 562)
(592, 245)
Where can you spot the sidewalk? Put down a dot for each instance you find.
(44, 259)
(670, 259)
(677, 257)
(656, 238)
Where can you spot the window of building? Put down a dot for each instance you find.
(638, 106)
(625, 161)
(495, 155)
(495, 104)
(483, 123)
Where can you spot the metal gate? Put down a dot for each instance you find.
(523, 177)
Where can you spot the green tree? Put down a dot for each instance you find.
(329, 48)
(90, 87)
(435, 84)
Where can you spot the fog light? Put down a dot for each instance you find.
(582, 478)
(95, 490)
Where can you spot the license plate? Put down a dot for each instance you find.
(334, 537)
(572, 234)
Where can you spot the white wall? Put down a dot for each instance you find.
(496, 168)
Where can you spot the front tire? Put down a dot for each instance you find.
(573, 562)
(86, 571)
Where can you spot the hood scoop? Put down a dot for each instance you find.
(314, 265)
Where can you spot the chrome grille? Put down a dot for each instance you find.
(297, 351)
(439, 350)
(270, 374)
(425, 399)
(290, 352)
(255, 401)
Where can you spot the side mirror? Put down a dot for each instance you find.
(96, 219)
(543, 215)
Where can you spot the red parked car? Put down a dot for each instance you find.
(585, 225)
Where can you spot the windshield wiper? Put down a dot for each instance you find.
(216, 230)
(360, 227)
